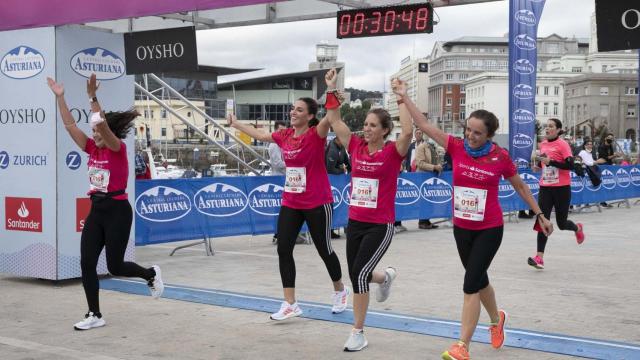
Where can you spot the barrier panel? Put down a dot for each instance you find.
(185, 209)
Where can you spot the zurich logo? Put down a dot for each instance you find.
(525, 42)
(73, 160)
(220, 200)
(337, 197)
(436, 190)
(522, 163)
(577, 183)
(522, 116)
(532, 181)
(525, 17)
(608, 180)
(162, 204)
(522, 141)
(505, 190)
(524, 67)
(635, 174)
(266, 199)
(105, 64)
(22, 62)
(408, 193)
(522, 91)
(4, 160)
(623, 178)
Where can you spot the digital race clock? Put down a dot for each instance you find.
(390, 20)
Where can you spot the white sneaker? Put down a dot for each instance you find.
(400, 228)
(356, 341)
(90, 321)
(384, 289)
(287, 311)
(156, 286)
(340, 300)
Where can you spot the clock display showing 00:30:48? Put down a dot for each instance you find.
(393, 20)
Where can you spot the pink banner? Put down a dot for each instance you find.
(23, 14)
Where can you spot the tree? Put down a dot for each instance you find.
(354, 117)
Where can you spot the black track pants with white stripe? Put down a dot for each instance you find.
(366, 244)
(319, 223)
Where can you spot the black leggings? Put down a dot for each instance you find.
(477, 249)
(319, 223)
(366, 244)
(558, 197)
(107, 226)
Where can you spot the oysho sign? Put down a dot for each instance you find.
(618, 24)
(161, 50)
(22, 62)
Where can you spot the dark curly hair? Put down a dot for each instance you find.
(120, 122)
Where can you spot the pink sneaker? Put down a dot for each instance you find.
(579, 234)
(536, 262)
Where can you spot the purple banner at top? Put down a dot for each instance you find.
(24, 14)
(524, 16)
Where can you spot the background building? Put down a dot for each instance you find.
(415, 72)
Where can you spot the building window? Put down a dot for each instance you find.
(631, 91)
(449, 76)
(449, 87)
(448, 115)
(535, 108)
(537, 90)
(604, 90)
(163, 132)
(163, 113)
(586, 90)
(576, 69)
(462, 101)
(578, 117)
(573, 92)
(555, 108)
(604, 68)
(462, 89)
(146, 114)
(556, 90)
(464, 76)
(604, 109)
(463, 114)
(631, 110)
(545, 109)
(448, 101)
(546, 90)
(449, 64)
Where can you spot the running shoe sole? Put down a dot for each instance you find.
(533, 263)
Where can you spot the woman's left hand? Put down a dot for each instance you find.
(92, 86)
(331, 78)
(546, 225)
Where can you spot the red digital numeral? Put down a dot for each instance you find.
(422, 19)
(376, 22)
(358, 23)
(389, 21)
(345, 24)
(408, 19)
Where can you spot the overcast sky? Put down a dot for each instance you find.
(290, 47)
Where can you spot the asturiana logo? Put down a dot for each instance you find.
(608, 180)
(577, 183)
(220, 200)
(522, 163)
(105, 64)
(162, 204)
(525, 17)
(522, 141)
(532, 181)
(337, 197)
(524, 67)
(623, 178)
(522, 116)
(525, 42)
(436, 190)
(346, 192)
(22, 62)
(635, 176)
(408, 193)
(266, 199)
(505, 190)
(523, 91)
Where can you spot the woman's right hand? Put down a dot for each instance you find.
(57, 89)
(232, 120)
(399, 87)
(331, 78)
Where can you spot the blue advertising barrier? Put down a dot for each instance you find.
(185, 209)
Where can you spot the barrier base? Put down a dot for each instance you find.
(208, 246)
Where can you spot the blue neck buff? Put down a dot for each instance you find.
(481, 151)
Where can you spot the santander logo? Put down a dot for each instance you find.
(23, 214)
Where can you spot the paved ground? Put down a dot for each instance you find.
(589, 291)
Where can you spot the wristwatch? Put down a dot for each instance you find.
(93, 99)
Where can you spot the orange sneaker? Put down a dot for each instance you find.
(497, 330)
(457, 351)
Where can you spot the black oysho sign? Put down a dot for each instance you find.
(161, 50)
(618, 23)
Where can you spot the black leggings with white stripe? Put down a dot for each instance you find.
(366, 244)
(319, 223)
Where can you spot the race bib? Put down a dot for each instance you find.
(364, 192)
(98, 179)
(550, 175)
(469, 203)
(296, 180)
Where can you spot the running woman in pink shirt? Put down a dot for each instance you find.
(478, 166)
(306, 198)
(109, 221)
(556, 160)
(375, 163)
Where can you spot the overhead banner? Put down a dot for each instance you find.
(618, 24)
(158, 51)
(524, 16)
